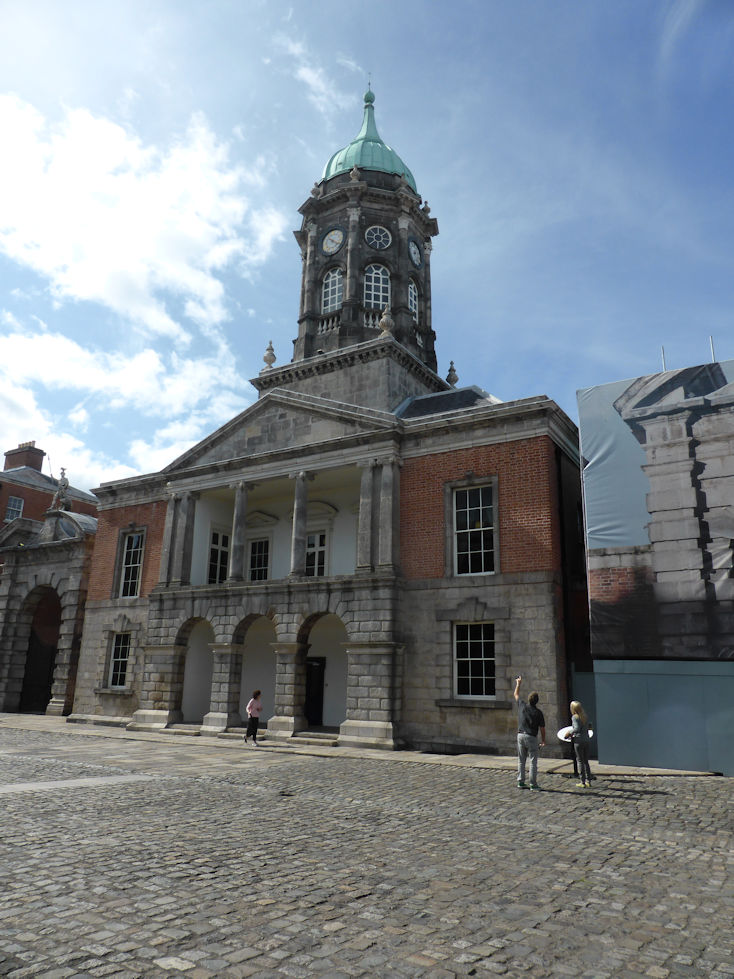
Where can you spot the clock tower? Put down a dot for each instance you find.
(366, 245)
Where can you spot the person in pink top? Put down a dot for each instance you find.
(254, 710)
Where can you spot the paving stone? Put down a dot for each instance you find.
(220, 864)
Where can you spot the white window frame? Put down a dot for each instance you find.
(128, 588)
(466, 513)
(15, 503)
(472, 641)
(413, 299)
(316, 550)
(251, 541)
(376, 291)
(377, 236)
(221, 549)
(120, 649)
(332, 291)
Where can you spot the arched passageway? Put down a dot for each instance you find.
(258, 666)
(326, 673)
(198, 669)
(41, 652)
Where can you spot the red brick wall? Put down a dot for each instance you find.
(611, 585)
(529, 538)
(148, 516)
(35, 501)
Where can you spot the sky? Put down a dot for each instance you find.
(578, 157)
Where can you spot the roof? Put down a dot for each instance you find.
(455, 399)
(33, 479)
(368, 151)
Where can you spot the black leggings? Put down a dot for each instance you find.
(582, 757)
(252, 724)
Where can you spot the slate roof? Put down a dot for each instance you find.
(456, 399)
(33, 479)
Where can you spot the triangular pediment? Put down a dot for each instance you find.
(281, 421)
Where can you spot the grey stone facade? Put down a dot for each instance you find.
(42, 560)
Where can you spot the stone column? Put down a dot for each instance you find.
(161, 688)
(374, 672)
(290, 690)
(67, 654)
(225, 696)
(353, 255)
(388, 550)
(364, 527)
(427, 248)
(403, 319)
(300, 513)
(237, 554)
(184, 538)
(311, 271)
(168, 532)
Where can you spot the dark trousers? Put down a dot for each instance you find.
(252, 725)
(582, 757)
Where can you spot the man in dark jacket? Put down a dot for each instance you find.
(529, 720)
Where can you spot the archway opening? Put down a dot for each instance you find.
(326, 673)
(258, 667)
(198, 670)
(40, 658)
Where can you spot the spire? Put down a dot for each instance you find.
(368, 151)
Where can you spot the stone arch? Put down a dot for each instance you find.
(324, 636)
(193, 679)
(35, 650)
(256, 635)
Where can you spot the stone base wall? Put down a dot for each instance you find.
(101, 621)
(526, 616)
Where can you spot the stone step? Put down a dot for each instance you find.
(190, 730)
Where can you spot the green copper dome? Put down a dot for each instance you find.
(367, 151)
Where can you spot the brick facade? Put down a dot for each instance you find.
(526, 505)
(113, 523)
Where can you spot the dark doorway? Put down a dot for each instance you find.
(41, 656)
(315, 668)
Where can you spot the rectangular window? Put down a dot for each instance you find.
(474, 659)
(259, 560)
(119, 659)
(14, 508)
(132, 562)
(474, 530)
(218, 557)
(316, 554)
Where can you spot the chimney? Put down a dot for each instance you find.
(25, 455)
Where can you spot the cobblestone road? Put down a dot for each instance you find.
(165, 858)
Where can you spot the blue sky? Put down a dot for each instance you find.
(577, 156)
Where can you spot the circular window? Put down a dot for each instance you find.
(377, 236)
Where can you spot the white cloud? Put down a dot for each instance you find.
(144, 381)
(106, 219)
(22, 420)
(9, 319)
(350, 64)
(677, 18)
(321, 89)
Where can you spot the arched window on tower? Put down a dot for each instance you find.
(376, 287)
(413, 300)
(332, 291)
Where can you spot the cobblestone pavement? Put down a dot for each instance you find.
(165, 857)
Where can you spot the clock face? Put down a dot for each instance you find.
(333, 240)
(377, 236)
(415, 253)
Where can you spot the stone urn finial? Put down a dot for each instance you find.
(452, 377)
(354, 173)
(386, 323)
(269, 357)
